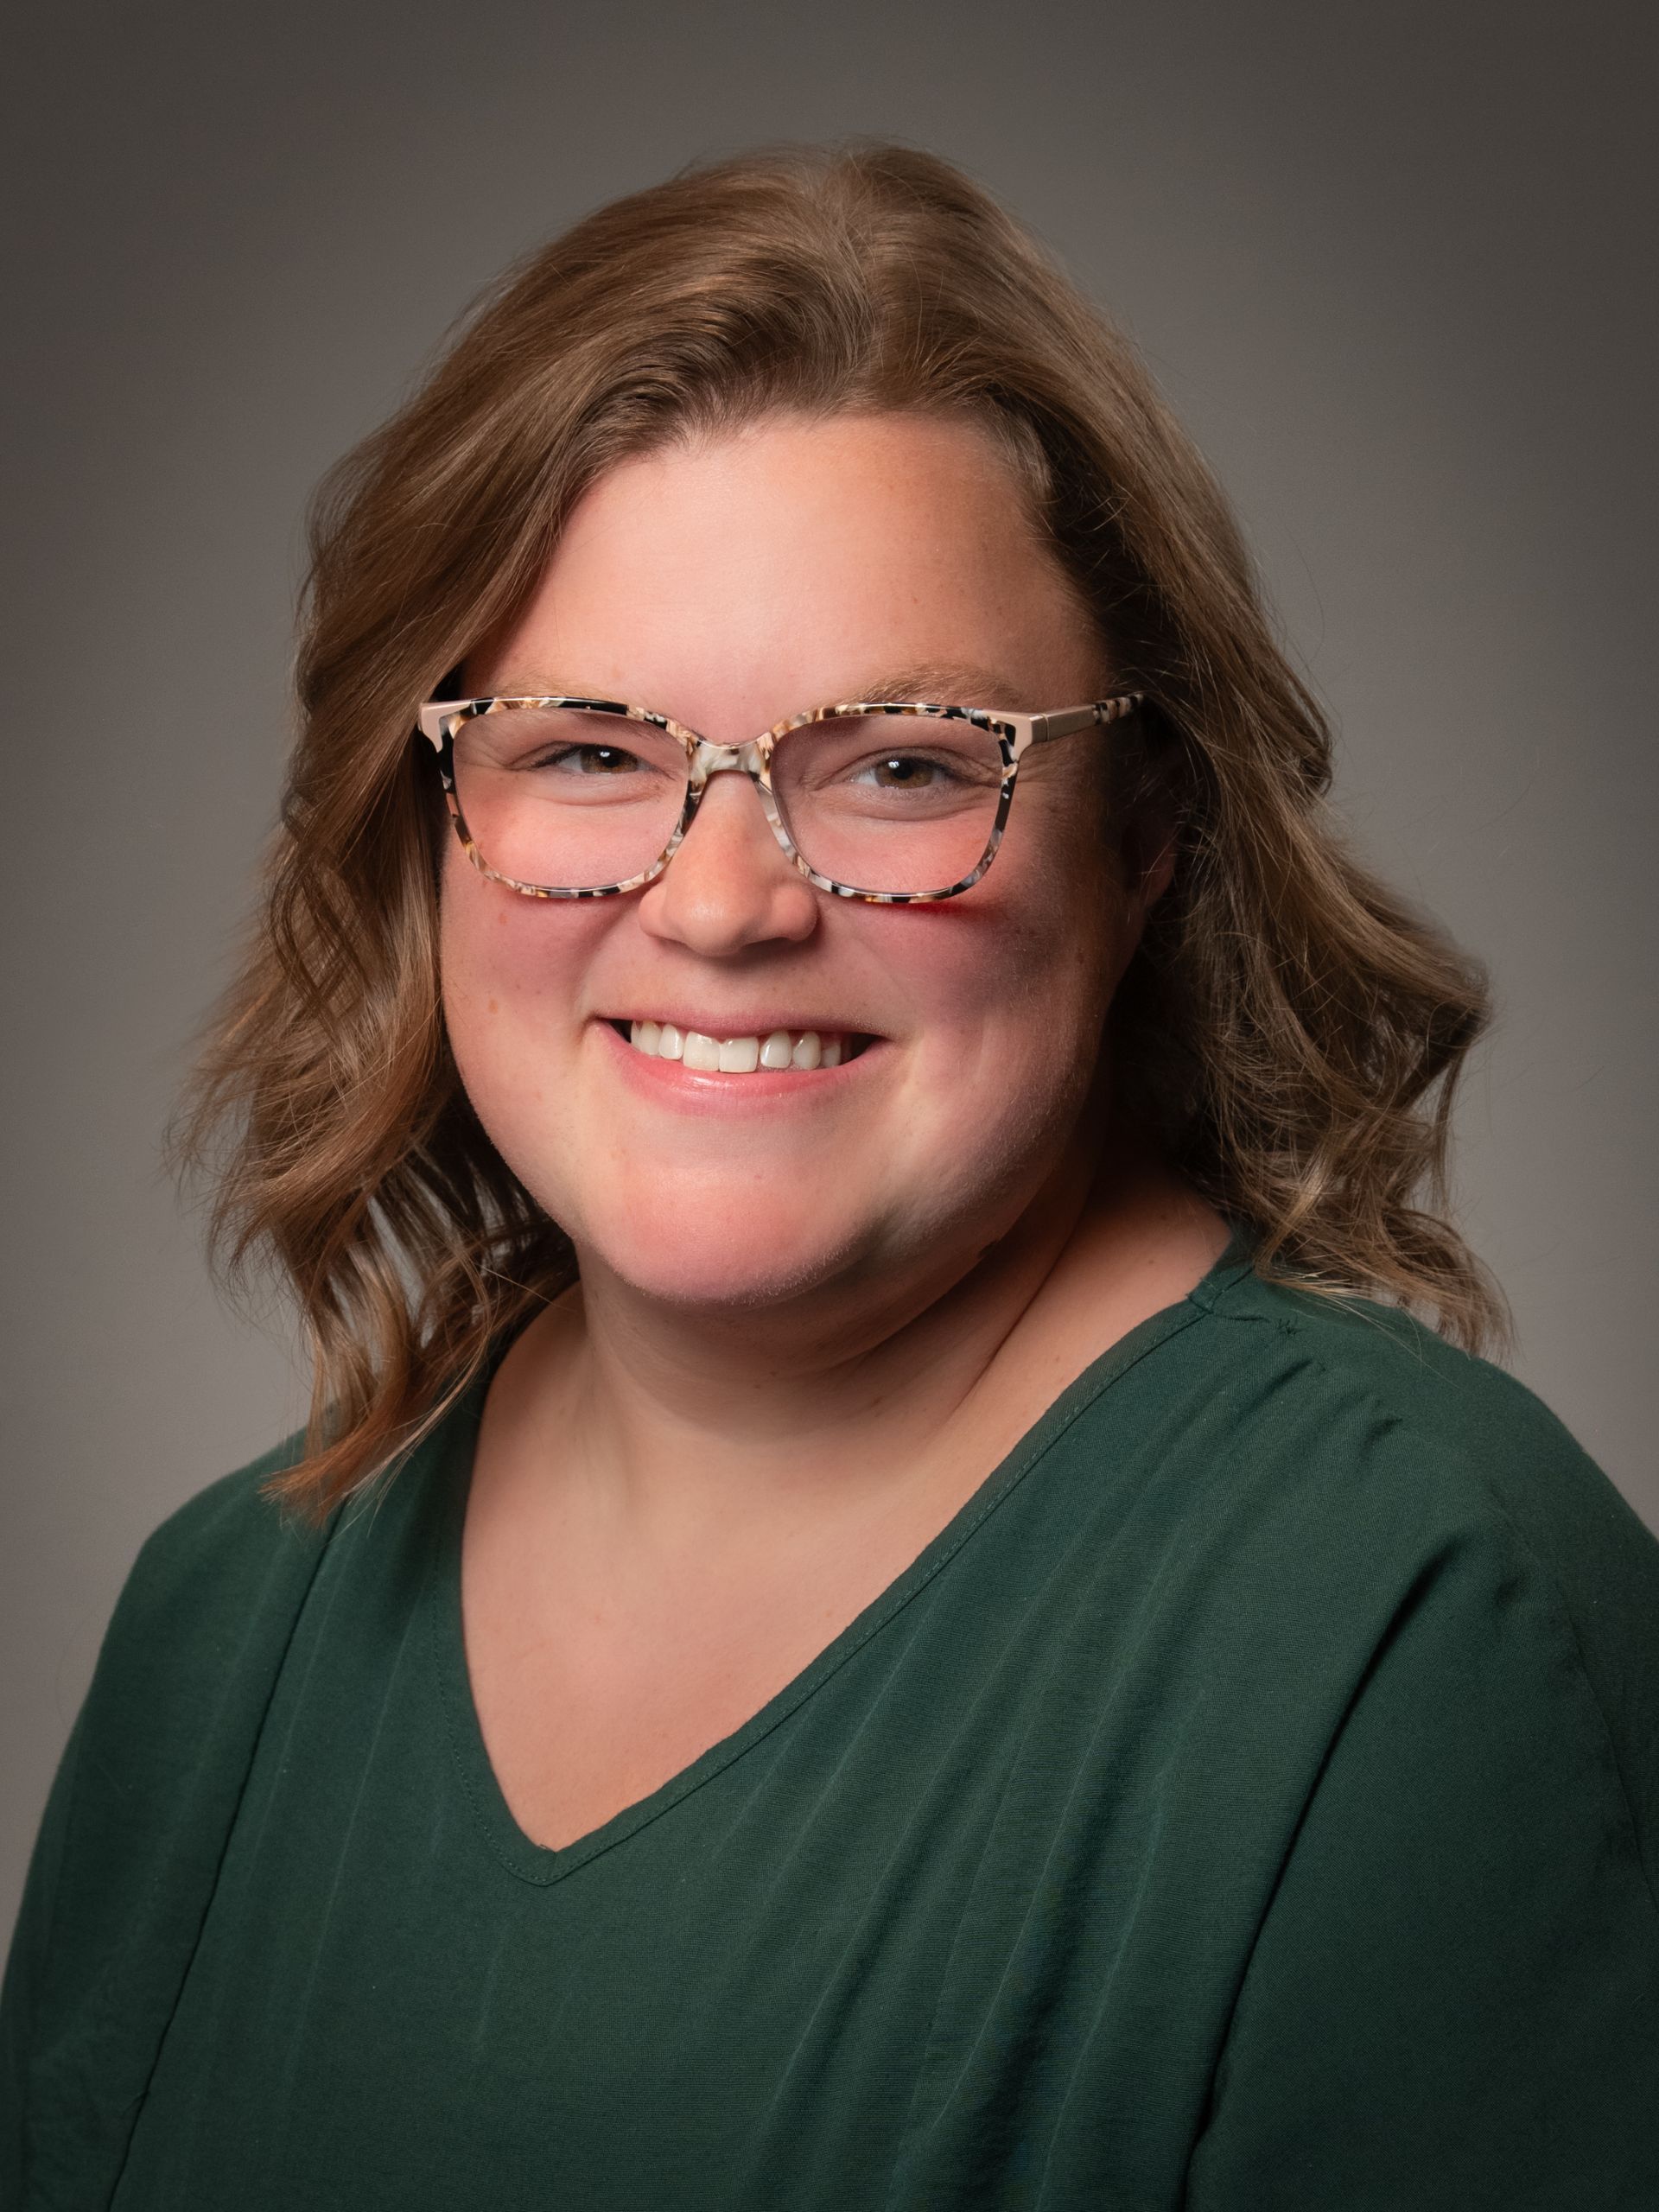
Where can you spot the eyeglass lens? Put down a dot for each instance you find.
(571, 799)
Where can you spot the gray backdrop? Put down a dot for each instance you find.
(1394, 266)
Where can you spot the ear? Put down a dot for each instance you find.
(1147, 853)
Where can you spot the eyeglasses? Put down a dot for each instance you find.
(585, 798)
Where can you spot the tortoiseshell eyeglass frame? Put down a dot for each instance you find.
(1015, 733)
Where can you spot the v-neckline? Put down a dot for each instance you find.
(454, 1444)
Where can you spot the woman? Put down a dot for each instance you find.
(884, 1603)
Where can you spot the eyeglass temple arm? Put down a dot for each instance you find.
(1071, 719)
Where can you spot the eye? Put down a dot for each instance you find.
(590, 760)
(902, 772)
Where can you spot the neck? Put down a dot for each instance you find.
(686, 1424)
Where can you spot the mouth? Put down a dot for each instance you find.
(766, 1052)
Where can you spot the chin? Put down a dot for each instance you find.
(717, 1247)
(711, 1275)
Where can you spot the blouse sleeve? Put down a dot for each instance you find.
(1453, 1998)
(129, 1845)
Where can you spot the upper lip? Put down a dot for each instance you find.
(745, 1025)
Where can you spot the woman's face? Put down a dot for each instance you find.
(729, 583)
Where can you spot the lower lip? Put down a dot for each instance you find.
(696, 1091)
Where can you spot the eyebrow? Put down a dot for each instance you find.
(946, 684)
(949, 684)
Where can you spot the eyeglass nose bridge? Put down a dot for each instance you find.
(706, 760)
(753, 759)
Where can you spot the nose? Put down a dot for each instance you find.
(730, 885)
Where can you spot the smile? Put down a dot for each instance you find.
(776, 1050)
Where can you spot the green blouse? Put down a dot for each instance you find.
(1250, 1801)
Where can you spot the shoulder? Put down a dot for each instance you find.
(1450, 1495)
(211, 1604)
(126, 1855)
(183, 1676)
(233, 1526)
(1382, 1394)
(219, 1577)
(199, 1631)
(1452, 1992)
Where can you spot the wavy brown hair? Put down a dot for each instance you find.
(1290, 1030)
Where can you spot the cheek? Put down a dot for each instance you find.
(1008, 1040)
(1021, 964)
(511, 968)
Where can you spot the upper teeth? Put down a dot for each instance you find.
(783, 1048)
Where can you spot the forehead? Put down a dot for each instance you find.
(736, 580)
